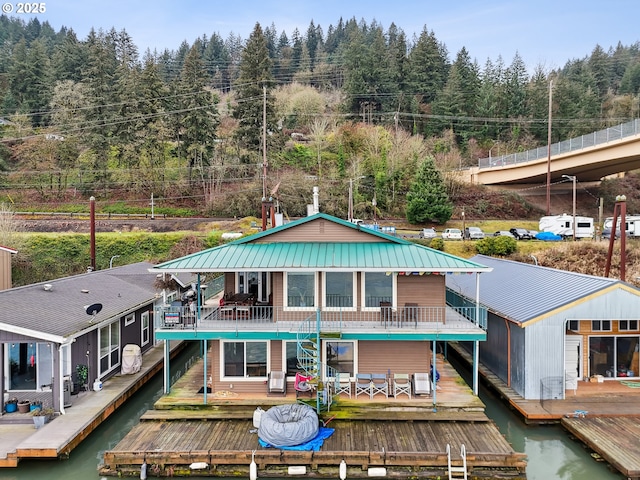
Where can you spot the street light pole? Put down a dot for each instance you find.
(573, 179)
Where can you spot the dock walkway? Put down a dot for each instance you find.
(406, 437)
(19, 439)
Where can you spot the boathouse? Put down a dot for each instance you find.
(325, 299)
(548, 329)
(51, 332)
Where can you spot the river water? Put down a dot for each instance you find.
(551, 453)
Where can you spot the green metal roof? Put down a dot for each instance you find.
(390, 254)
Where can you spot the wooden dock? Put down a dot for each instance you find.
(405, 448)
(406, 437)
(614, 439)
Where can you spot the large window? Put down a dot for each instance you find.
(109, 347)
(340, 356)
(339, 290)
(30, 366)
(300, 289)
(245, 359)
(378, 287)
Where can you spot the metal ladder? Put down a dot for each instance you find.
(454, 470)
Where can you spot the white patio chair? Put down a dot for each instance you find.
(344, 383)
(421, 384)
(401, 384)
(379, 384)
(363, 384)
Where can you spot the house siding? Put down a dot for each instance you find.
(321, 230)
(393, 357)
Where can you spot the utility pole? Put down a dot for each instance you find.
(549, 150)
(264, 142)
(350, 213)
(573, 179)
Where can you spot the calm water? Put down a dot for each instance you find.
(551, 454)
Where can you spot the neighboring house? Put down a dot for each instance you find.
(47, 330)
(321, 296)
(5, 266)
(549, 329)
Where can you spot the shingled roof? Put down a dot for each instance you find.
(57, 313)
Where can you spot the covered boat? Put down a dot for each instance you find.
(288, 425)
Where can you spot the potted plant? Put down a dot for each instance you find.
(35, 405)
(11, 405)
(41, 416)
(82, 372)
(24, 406)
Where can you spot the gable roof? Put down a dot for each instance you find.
(522, 292)
(256, 253)
(58, 313)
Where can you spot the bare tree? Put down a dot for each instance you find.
(9, 226)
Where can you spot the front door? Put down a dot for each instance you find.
(256, 283)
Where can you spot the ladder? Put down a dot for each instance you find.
(455, 471)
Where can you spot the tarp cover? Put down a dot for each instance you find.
(131, 359)
(287, 425)
(312, 445)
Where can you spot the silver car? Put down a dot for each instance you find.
(428, 233)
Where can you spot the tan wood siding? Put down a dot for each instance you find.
(5, 270)
(322, 231)
(396, 357)
(425, 290)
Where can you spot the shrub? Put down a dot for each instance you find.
(437, 244)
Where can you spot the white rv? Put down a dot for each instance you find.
(631, 221)
(563, 225)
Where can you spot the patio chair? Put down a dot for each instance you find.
(401, 384)
(243, 312)
(421, 384)
(363, 384)
(379, 384)
(344, 383)
(277, 383)
(302, 385)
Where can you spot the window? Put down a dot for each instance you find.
(129, 319)
(339, 290)
(109, 338)
(574, 325)
(245, 359)
(601, 325)
(144, 334)
(378, 287)
(340, 356)
(627, 325)
(300, 288)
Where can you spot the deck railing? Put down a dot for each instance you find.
(243, 317)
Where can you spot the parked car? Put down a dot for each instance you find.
(606, 233)
(428, 233)
(452, 234)
(503, 233)
(473, 233)
(521, 233)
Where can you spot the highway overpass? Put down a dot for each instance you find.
(589, 157)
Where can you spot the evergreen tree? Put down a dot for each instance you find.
(255, 74)
(427, 199)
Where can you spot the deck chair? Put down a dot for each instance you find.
(379, 384)
(410, 313)
(421, 384)
(401, 384)
(277, 383)
(363, 384)
(302, 385)
(344, 383)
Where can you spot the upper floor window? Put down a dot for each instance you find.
(601, 325)
(627, 325)
(301, 289)
(377, 287)
(339, 290)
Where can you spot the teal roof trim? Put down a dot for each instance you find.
(249, 335)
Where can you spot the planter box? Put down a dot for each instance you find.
(24, 406)
(40, 420)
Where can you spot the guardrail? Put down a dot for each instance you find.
(87, 215)
(590, 140)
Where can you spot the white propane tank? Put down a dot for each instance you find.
(97, 385)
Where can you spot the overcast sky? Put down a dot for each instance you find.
(543, 32)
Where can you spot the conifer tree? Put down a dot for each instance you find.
(427, 199)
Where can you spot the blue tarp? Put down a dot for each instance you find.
(312, 445)
(548, 237)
